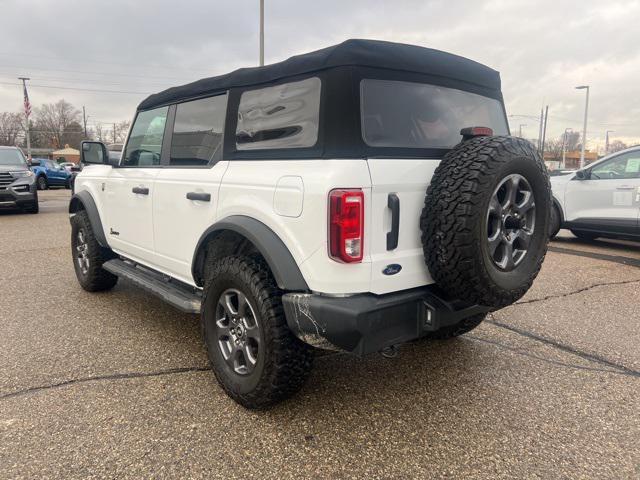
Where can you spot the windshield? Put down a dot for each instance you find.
(10, 156)
(418, 115)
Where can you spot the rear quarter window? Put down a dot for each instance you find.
(418, 115)
(282, 116)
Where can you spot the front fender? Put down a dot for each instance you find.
(84, 201)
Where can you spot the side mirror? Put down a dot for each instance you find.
(582, 175)
(76, 168)
(94, 153)
(35, 163)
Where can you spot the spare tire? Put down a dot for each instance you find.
(485, 222)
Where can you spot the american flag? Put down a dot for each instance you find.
(27, 104)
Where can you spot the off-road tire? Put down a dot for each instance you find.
(454, 219)
(554, 222)
(42, 183)
(460, 328)
(586, 236)
(96, 278)
(284, 362)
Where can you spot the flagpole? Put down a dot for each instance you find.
(27, 112)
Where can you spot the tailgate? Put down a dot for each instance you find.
(407, 180)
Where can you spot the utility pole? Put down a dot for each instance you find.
(27, 112)
(114, 133)
(261, 33)
(584, 127)
(84, 121)
(606, 142)
(544, 131)
(564, 146)
(520, 129)
(540, 130)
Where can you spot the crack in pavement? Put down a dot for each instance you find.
(633, 262)
(114, 376)
(574, 292)
(565, 348)
(519, 351)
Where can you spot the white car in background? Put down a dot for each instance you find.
(601, 200)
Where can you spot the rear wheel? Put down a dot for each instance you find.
(255, 357)
(88, 256)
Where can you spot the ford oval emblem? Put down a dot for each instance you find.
(392, 269)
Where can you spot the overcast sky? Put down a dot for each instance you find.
(542, 48)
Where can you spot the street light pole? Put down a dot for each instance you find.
(261, 33)
(606, 141)
(584, 127)
(564, 146)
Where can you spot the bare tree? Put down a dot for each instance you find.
(100, 133)
(55, 124)
(11, 126)
(122, 128)
(616, 146)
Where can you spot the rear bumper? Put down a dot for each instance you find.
(366, 323)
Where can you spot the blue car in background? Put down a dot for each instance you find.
(50, 174)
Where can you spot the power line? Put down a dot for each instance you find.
(85, 72)
(80, 89)
(132, 64)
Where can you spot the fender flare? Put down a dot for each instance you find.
(282, 264)
(85, 200)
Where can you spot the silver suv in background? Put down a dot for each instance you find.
(17, 183)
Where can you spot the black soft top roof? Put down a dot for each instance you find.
(365, 53)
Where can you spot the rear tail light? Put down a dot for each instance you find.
(346, 225)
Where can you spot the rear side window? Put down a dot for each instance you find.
(197, 131)
(282, 116)
(144, 146)
(417, 115)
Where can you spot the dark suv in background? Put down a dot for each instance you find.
(17, 182)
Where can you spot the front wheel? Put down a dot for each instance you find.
(554, 222)
(88, 256)
(42, 183)
(255, 357)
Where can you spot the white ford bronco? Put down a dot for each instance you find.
(352, 198)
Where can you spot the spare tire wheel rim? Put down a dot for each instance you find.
(510, 222)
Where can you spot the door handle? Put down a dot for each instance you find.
(625, 187)
(199, 196)
(393, 202)
(140, 190)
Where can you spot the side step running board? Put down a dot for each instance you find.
(182, 296)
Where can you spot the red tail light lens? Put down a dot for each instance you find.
(346, 225)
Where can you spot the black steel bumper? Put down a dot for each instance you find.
(366, 323)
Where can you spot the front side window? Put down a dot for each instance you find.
(282, 116)
(417, 115)
(197, 131)
(624, 166)
(145, 140)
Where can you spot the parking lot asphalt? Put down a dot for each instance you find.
(117, 385)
